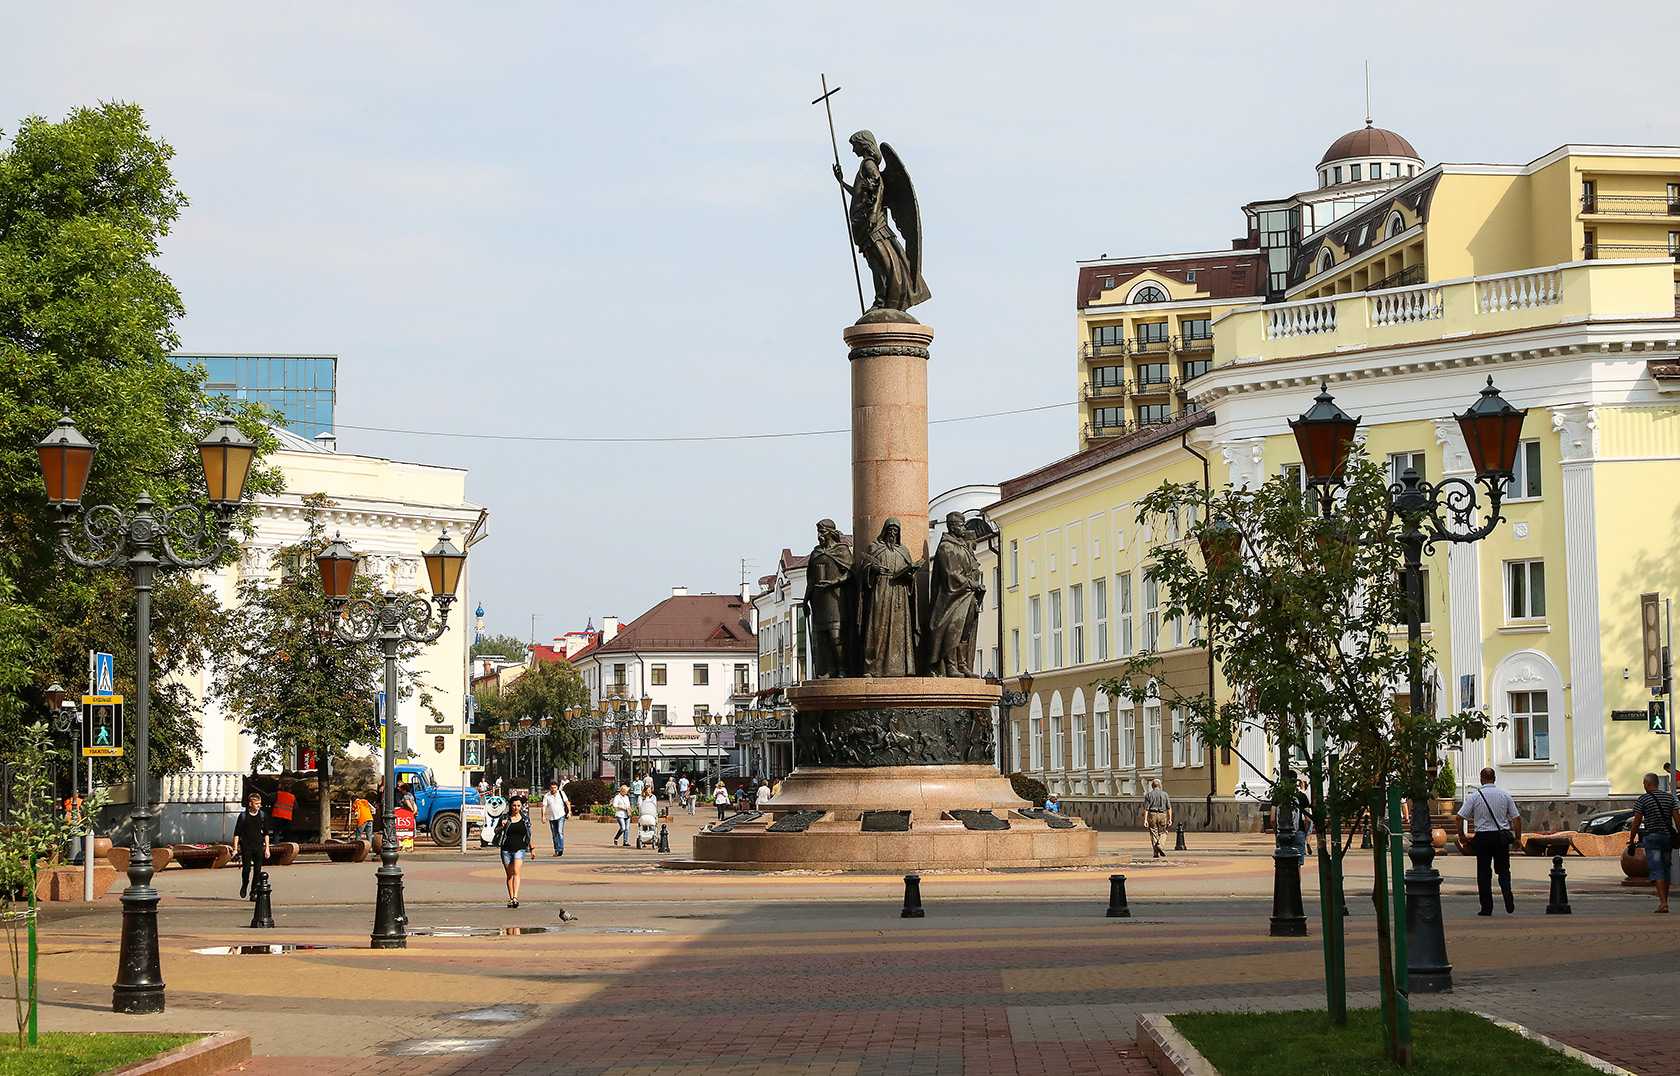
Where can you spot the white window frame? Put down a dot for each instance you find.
(1198, 751)
(1015, 648)
(1128, 737)
(1056, 628)
(1014, 562)
(1035, 745)
(1035, 632)
(1079, 760)
(1151, 612)
(1151, 735)
(1099, 606)
(1123, 595)
(1180, 743)
(1058, 757)
(1526, 474)
(1076, 605)
(1100, 746)
(1399, 461)
(1525, 746)
(1527, 613)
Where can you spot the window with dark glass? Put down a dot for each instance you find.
(1196, 367)
(1108, 376)
(1153, 373)
(1151, 294)
(1589, 196)
(1108, 335)
(1355, 173)
(1106, 417)
(1151, 414)
(1196, 328)
(1154, 332)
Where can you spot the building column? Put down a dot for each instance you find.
(1464, 607)
(1577, 430)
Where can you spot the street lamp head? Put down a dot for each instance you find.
(337, 563)
(647, 704)
(55, 696)
(443, 566)
(1026, 681)
(66, 460)
(1324, 433)
(1221, 542)
(1492, 429)
(226, 456)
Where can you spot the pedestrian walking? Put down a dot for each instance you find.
(742, 800)
(1658, 812)
(1157, 817)
(720, 798)
(671, 790)
(621, 811)
(250, 835)
(762, 799)
(515, 842)
(556, 807)
(683, 799)
(647, 820)
(1494, 824)
(361, 813)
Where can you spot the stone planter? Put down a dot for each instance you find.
(1633, 865)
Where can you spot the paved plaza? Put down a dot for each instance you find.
(675, 971)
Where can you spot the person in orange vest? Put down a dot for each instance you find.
(285, 803)
(361, 817)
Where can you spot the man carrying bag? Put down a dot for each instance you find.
(1495, 825)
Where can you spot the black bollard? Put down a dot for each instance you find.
(1559, 903)
(1178, 845)
(262, 912)
(912, 898)
(664, 838)
(1117, 907)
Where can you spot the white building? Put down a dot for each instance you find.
(389, 512)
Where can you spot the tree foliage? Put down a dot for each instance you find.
(499, 646)
(86, 323)
(546, 688)
(296, 682)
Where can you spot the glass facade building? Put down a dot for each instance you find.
(302, 388)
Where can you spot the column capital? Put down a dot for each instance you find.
(1577, 428)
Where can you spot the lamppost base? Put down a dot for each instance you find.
(139, 986)
(1289, 915)
(390, 919)
(1428, 971)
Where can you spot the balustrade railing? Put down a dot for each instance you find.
(1403, 307)
(203, 786)
(1301, 319)
(1519, 291)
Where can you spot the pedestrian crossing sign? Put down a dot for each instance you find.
(1658, 716)
(102, 726)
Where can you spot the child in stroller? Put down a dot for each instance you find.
(647, 821)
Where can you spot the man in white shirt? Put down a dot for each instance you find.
(762, 797)
(621, 811)
(556, 807)
(682, 794)
(1494, 825)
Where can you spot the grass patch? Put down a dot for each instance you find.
(68, 1053)
(1444, 1043)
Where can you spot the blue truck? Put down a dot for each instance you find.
(439, 811)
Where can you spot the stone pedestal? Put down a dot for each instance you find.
(889, 430)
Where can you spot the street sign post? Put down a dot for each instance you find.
(102, 726)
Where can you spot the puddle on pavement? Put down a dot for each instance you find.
(260, 950)
(634, 930)
(433, 1047)
(496, 1014)
(480, 932)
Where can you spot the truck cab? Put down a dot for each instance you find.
(439, 809)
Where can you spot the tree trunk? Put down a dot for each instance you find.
(1385, 950)
(323, 774)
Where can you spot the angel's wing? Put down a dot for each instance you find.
(899, 195)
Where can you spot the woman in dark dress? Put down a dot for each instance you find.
(515, 843)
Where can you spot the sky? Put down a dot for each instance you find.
(606, 220)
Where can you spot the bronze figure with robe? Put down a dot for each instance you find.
(888, 591)
(958, 586)
(828, 576)
(882, 190)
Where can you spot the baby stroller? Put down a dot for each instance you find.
(647, 831)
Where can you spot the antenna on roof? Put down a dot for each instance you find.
(1367, 93)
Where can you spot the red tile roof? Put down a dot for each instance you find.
(688, 622)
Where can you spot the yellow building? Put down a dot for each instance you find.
(1556, 278)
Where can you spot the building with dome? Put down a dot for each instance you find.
(1404, 286)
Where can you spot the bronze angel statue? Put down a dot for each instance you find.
(876, 193)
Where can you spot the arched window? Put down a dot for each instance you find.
(1325, 261)
(1148, 293)
(1396, 225)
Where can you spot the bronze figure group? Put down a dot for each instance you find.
(885, 613)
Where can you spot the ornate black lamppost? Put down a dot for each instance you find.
(144, 539)
(393, 619)
(1006, 720)
(1428, 513)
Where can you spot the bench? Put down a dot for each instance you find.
(201, 856)
(337, 851)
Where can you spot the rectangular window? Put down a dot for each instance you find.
(618, 676)
(1394, 170)
(1080, 760)
(1153, 373)
(659, 715)
(1674, 242)
(1525, 473)
(1154, 414)
(1035, 744)
(1674, 197)
(1107, 335)
(701, 710)
(1076, 603)
(1525, 590)
(1153, 332)
(1180, 742)
(1055, 629)
(1104, 377)
(1100, 747)
(1399, 461)
(1423, 596)
(1107, 418)
(1035, 628)
(1355, 173)
(702, 674)
(1014, 562)
(1196, 328)
(1152, 736)
(1099, 603)
(1589, 244)
(1189, 276)
(1589, 196)
(1058, 759)
(1198, 751)
(743, 681)
(1123, 592)
(1128, 737)
(1296, 475)
(1151, 612)
(1336, 175)
(1531, 726)
(656, 676)
(1194, 368)
(1015, 648)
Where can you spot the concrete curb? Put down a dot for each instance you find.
(1170, 1052)
(203, 1057)
(1561, 1047)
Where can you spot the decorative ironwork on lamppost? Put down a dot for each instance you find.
(393, 619)
(1007, 702)
(143, 539)
(1428, 513)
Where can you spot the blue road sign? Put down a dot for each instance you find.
(104, 674)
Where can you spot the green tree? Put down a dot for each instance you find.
(546, 688)
(499, 646)
(295, 682)
(1301, 612)
(86, 323)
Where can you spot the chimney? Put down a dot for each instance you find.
(753, 619)
(327, 441)
(679, 592)
(746, 591)
(609, 628)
